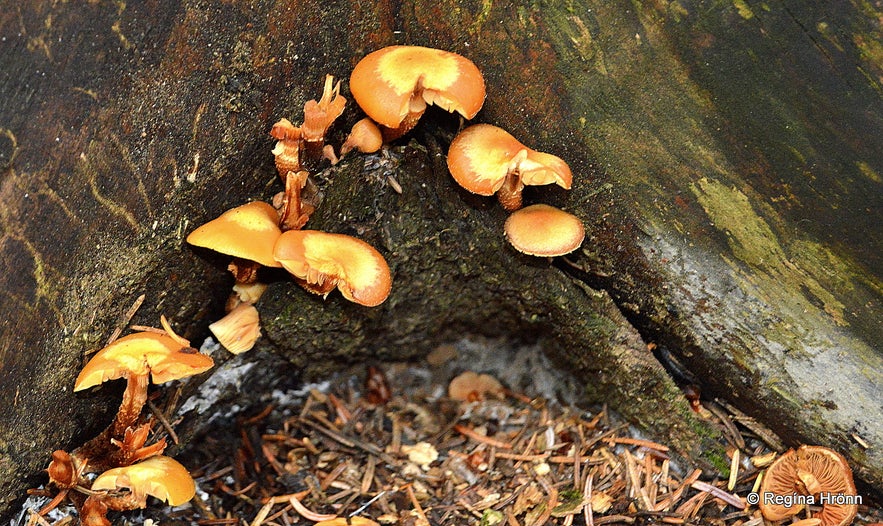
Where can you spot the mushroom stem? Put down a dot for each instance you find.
(288, 149)
(319, 116)
(408, 123)
(99, 451)
(93, 512)
(134, 398)
(244, 270)
(299, 201)
(509, 195)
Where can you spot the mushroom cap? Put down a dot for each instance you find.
(471, 386)
(481, 156)
(357, 269)
(385, 81)
(365, 137)
(248, 231)
(143, 353)
(543, 230)
(239, 329)
(809, 470)
(161, 477)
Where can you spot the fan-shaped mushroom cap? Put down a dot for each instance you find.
(326, 260)
(161, 477)
(543, 230)
(809, 470)
(248, 232)
(143, 353)
(239, 329)
(396, 82)
(482, 157)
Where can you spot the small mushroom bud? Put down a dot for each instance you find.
(365, 137)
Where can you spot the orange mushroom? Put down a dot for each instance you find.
(319, 115)
(239, 329)
(309, 138)
(139, 357)
(298, 201)
(543, 230)
(247, 233)
(394, 85)
(365, 137)
(322, 261)
(812, 472)
(471, 387)
(289, 144)
(161, 477)
(485, 159)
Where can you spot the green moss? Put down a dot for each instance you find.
(743, 9)
(720, 461)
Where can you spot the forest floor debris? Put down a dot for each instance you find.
(399, 454)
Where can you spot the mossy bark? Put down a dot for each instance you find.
(732, 195)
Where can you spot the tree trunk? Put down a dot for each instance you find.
(727, 168)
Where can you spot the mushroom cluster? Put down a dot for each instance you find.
(258, 234)
(394, 85)
(128, 468)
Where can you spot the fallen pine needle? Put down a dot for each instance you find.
(638, 442)
(463, 430)
(716, 492)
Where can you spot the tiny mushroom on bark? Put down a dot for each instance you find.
(485, 159)
(543, 230)
(239, 329)
(365, 137)
(161, 477)
(322, 261)
(137, 358)
(810, 471)
(394, 85)
(247, 233)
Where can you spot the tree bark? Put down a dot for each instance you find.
(727, 168)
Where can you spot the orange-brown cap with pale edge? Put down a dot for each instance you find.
(357, 269)
(543, 230)
(248, 232)
(161, 477)
(143, 353)
(482, 156)
(393, 82)
(809, 470)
